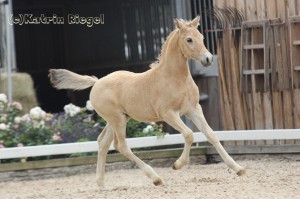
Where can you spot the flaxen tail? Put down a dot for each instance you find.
(64, 79)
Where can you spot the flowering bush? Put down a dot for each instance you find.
(75, 124)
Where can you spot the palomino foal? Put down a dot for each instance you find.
(163, 93)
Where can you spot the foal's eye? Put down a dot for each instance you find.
(189, 40)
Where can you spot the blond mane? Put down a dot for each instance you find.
(166, 43)
(163, 49)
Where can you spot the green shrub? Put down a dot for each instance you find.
(75, 124)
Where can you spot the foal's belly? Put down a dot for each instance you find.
(141, 110)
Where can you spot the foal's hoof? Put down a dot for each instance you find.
(100, 184)
(241, 172)
(178, 165)
(174, 167)
(158, 182)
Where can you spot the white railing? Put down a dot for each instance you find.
(80, 147)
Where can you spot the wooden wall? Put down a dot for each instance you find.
(210, 106)
(278, 106)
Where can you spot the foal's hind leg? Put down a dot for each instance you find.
(104, 141)
(199, 120)
(119, 127)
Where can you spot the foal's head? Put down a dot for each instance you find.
(191, 41)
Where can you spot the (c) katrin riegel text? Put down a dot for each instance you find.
(22, 19)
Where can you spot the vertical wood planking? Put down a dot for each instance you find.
(291, 7)
(227, 69)
(294, 29)
(261, 9)
(227, 120)
(266, 95)
(279, 108)
(224, 83)
(240, 5)
(296, 99)
(230, 3)
(297, 7)
(281, 9)
(257, 96)
(238, 112)
(271, 8)
(288, 94)
(245, 108)
(267, 110)
(284, 10)
(257, 62)
(237, 107)
(287, 110)
(250, 8)
(249, 99)
(276, 59)
(296, 116)
(219, 3)
(277, 92)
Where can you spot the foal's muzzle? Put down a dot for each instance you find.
(206, 59)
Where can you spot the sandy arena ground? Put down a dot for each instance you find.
(266, 177)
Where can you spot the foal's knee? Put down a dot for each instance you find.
(212, 138)
(124, 149)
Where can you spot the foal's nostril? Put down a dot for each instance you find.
(207, 60)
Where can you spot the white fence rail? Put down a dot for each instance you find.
(80, 147)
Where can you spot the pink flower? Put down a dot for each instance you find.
(56, 137)
(2, 144)
(20, 145)
(17, 105)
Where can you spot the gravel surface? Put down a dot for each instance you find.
(276, 176)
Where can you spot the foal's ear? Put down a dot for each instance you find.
(179, 24)
(195, 22)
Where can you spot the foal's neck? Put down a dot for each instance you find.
(175, 63)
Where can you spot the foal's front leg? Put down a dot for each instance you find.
(174, 120)
(199, 120)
